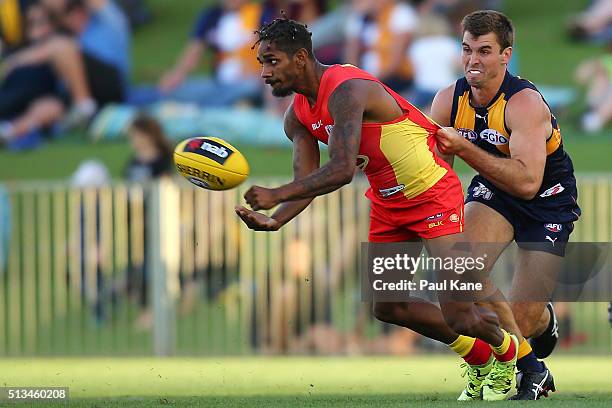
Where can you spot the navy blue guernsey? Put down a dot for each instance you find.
(486, 127)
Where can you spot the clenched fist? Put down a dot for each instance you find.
(450, 141)
(261, 198)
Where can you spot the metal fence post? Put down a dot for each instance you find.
(163, 251)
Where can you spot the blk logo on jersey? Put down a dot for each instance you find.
(317, 125)
(553, 227)
(554, 190)
(494, 137)
(210, 149)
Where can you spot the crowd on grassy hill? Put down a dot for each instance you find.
(66, 63)
(73, 67)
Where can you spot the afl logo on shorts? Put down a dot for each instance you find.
(553, 227)
(494, 137)
(468, 134)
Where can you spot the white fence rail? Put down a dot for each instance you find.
(169, 269)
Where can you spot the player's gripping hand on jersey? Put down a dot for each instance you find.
(449, 141)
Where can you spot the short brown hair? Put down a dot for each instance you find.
(483, 22)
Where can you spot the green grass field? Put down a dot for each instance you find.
(423, 381)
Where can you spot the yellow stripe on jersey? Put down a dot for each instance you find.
(404, 145)
(496, 121)
(554, 142)
(466, 116)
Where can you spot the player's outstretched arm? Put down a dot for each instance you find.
(528, 117)
(306, 159)
(441, 113)
(346, 106)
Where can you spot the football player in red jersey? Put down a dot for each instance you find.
(357, 115)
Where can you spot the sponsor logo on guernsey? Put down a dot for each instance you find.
(553, 227)
(386, 192)
(551, 240)
(317, 125)
(434, 217)
(468, 134)
(556, 189)
(494, 137)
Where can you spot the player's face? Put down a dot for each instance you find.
(277, 69)
(483, 59)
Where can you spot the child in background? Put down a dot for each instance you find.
(151, 151)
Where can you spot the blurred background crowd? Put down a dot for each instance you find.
(66, 64)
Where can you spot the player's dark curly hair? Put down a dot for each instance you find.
(288, 35)
(483, 22)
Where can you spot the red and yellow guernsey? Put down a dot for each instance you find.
(397, 157)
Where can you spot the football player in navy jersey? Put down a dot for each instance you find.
(525, 190)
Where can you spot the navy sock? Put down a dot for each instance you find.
(530, 363)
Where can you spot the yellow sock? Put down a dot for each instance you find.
(524, 349)
(502, 348)
(462, 345)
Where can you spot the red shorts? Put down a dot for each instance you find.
(433, 213)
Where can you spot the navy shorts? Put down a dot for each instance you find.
(537, 227)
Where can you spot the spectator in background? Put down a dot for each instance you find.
(90, 176)
(596, 75)
(227, 30)
(151, 159)
(595, 23)
(151, 151)
(101, 63)
(93, 65)
(28, 93)
(435, 55)
(378, 35)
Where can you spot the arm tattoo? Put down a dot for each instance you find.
(346, 106)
